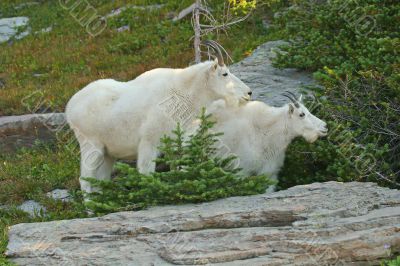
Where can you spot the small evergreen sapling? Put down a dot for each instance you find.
(195, 175)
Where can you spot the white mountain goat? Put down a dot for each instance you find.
(125, 120)
(259, 134)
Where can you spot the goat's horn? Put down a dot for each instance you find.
(221, 57)
(216, 49)
(294, 101)
(223, 50)
(291, 93)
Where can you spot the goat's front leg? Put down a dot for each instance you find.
(147, 153)
(92, 159)
(272, 188)
(105, 170)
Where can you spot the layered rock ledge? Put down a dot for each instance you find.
(24, 130)
(319, 224)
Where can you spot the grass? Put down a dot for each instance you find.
(61, 62)
(68, 58)
(29, 174)
(394, 262)
(35, 171)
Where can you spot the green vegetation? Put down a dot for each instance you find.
(194, 175)
(353, 47)
(68, 58)
(32, 172)
(395, 262)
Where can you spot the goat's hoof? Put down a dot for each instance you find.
(271, 189)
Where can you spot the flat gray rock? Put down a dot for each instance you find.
(318, 224)
(9, 28)
(266, 81)
(124, 28)
(118, 11)
(32, 207)
(45, 30)
(60, 194)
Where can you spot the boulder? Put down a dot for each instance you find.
(319, 224)
(60, 194)
(24, 130)
(33, 208)
(9, 28)
(268, 82)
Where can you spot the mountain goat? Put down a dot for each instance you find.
(259, 134)
(125, 120)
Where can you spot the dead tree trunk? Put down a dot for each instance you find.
(197, 32)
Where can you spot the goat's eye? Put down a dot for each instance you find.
(302, 114)
(225, 74)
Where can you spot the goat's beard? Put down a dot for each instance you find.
(311, 138)
(232, 101)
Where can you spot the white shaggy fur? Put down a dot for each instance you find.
(125, 120)
(259, 134)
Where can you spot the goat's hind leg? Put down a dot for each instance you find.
(94, 164)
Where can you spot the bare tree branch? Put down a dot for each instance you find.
(387, 179)
(204, 23)
(185, 12)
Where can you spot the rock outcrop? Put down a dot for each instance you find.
(24, 130)
(318, 224)
(266, 81)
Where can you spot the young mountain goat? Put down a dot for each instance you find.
(125, 120)
(259, 134)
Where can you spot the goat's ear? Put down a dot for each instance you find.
(215, 65)
(301, 98)
(291, 109)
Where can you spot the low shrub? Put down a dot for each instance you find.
(394, 262)
(353, 48)
(195, 175)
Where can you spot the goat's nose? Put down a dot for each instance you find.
(250, 93)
